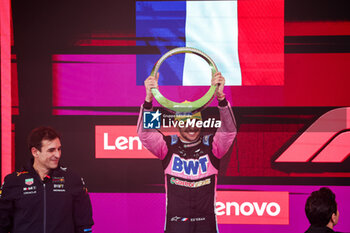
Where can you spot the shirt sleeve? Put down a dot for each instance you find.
(6, 207)
(82, 209)
(225, 135)
(152, 139)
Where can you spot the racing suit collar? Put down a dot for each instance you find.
(29, 167)
(191, 144)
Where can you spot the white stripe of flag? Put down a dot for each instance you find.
(211, 26)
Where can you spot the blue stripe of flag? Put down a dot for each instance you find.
(160, 25)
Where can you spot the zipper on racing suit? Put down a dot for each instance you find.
(44, 186)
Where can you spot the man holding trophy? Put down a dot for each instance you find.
(190, 161)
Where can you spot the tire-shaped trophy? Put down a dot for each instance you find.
(185, 107)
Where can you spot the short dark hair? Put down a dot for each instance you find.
(41, 133)
(320, 206)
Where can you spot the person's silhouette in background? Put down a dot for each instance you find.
(321, 211)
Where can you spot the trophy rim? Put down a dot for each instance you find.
(194, 106)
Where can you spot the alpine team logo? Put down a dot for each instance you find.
(151, 120)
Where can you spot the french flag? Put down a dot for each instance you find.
(244, 38)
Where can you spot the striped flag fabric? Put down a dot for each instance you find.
(225, 30)
(245, 38)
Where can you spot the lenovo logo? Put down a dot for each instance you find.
(248, 208)
(119, 141)
(252, 207)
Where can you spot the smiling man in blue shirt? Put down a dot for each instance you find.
(44, 197)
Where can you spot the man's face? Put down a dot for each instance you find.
(336, 218)
(49, 155)
(189, 134)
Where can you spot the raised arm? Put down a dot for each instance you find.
(225, 135)
(152, 139)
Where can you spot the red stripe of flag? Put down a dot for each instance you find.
(260, 41)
